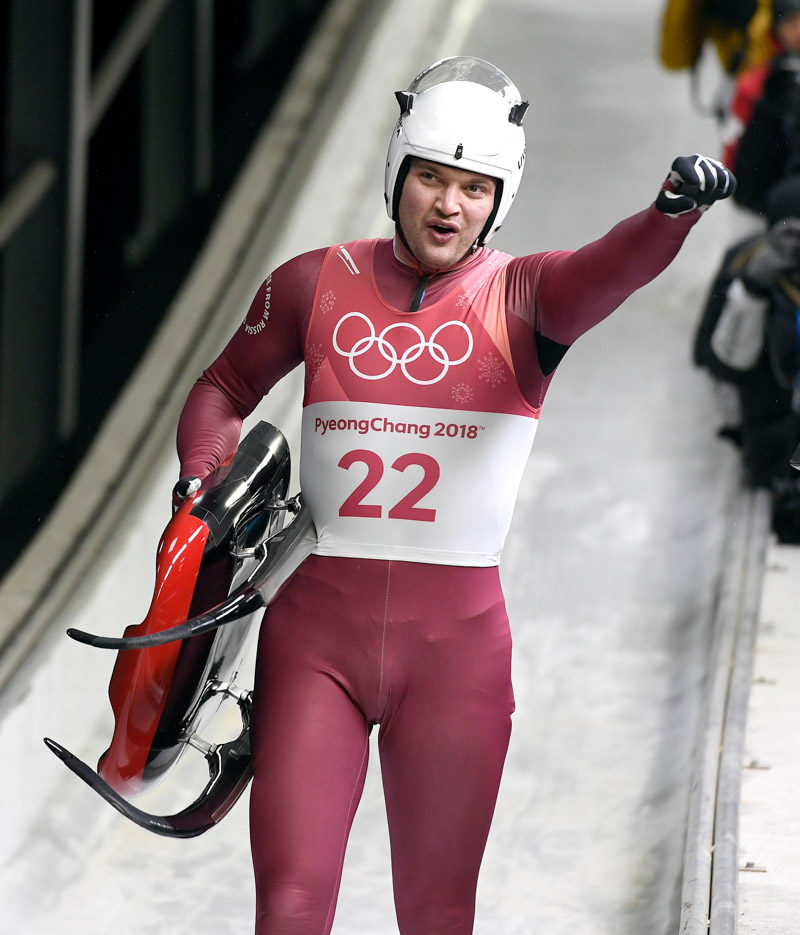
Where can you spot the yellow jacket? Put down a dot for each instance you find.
(685, 27)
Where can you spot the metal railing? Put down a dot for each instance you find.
(91, 95)
(23, 198)
(114, 68)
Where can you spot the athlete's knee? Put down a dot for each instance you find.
(285, 908)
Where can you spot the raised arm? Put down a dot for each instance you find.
(564, 293)
(579, 289)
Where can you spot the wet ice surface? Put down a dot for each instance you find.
(608, 572)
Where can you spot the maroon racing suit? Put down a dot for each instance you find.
(420, 647)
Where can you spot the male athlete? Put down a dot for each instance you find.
(427, 358)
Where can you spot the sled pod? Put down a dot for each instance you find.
(216, 561)
(163, 695)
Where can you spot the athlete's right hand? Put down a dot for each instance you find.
(185, 488)
(694, 182)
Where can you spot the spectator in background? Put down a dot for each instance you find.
(762, 137)
(749, 338)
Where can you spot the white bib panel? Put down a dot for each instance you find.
(412, 483)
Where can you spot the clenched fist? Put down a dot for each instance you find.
(694, 182)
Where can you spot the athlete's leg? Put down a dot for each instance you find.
(443, 742)
(310, 744)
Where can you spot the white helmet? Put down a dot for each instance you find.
(462, 112)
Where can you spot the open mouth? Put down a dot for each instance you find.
(442, 232)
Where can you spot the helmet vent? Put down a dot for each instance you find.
(517, 113)
(406, 101)
(459, 151)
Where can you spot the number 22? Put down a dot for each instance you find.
(406, 508)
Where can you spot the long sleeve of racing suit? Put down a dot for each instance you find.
(551, 299)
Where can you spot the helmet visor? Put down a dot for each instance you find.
(466, 68)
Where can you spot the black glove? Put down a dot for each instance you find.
(694, 182)
(777, 255)
(185, 488)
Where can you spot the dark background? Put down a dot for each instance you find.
(132, 265)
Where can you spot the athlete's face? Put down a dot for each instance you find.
(442, 212)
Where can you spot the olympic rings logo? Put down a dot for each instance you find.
(408, 356)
